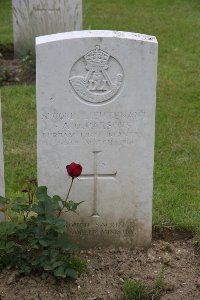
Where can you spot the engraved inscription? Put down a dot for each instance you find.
(41, 8)
(102, 228)
(92, 128)
(95, 176)
(96, 77)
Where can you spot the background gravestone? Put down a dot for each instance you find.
(33, 18)
(2, 187)
(96, 96)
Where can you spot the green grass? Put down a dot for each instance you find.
(139, 290)
(176, 25)
(19, 132)
(135, 290)
(6, 33)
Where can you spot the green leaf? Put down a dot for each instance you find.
(72, 206)
(35, 262)
(64, 242)
(45, 252)
(57, 198)
(54, 221)
(41, 192)
(60, 272)
(38, 209)
(10, 247)
(45, 207)
(58, 264)
(7, 228)
(34, 244)
(2, 244)
(74, 248)
(55, 224)
(20, 207)
(44, 242)
(71, 273)
(47, 266)
(54, 253)
(24, 269)
(46, 204)
(22, 235)
(10, 250)
(10, 244)
(22, 226)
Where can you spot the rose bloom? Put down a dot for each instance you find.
(74, 170)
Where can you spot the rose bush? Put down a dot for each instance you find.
(39, 242)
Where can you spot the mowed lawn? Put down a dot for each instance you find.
(176, 25)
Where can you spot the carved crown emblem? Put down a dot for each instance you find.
(97, 57)
(96, 77)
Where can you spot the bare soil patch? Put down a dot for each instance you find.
(108, 268)
(12, 70)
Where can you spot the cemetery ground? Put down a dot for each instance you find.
(171, 253)
(176, 213)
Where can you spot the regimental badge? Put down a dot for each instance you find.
(96, 77)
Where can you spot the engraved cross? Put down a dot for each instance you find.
(95, 176)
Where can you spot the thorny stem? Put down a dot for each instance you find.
(63, 202)
(69, 189)
(29, 193)
(30, 198)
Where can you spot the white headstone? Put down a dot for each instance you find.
(96, 97)
(33, 18)
(2, 186)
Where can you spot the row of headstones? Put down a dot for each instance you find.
(96, 95)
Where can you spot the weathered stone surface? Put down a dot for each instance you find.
(96, 96)
(33, 18)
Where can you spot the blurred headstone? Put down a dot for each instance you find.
(33, 18)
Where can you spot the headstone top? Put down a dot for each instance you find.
(93, 34)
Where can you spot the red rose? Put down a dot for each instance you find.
(74, 170)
